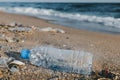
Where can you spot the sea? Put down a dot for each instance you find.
(97, 17)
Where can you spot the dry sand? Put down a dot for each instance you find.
(104, 47)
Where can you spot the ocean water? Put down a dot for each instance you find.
(101, 17)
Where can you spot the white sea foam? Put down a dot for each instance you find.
(108, 21)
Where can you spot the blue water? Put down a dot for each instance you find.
(102, 17)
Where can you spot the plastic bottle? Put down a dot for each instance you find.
(61, 59)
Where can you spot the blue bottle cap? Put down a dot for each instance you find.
(25, 53)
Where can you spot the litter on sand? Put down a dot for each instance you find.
(61, 59)
(20, 29)
(49, 29)
(11, 64)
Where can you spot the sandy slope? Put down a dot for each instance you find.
(104, 47)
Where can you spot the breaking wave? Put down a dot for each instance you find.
(108, 21)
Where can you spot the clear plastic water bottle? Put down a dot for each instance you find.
(61, 59)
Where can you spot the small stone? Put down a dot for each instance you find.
(104, 79)
(13, 24)
(1, 74)
(67, 37)
(23, 41)
(8, 39)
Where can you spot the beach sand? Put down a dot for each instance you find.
(104, 47)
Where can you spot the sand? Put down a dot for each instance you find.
(104, 47)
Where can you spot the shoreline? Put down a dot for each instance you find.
(103, 46)
(48, 22)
